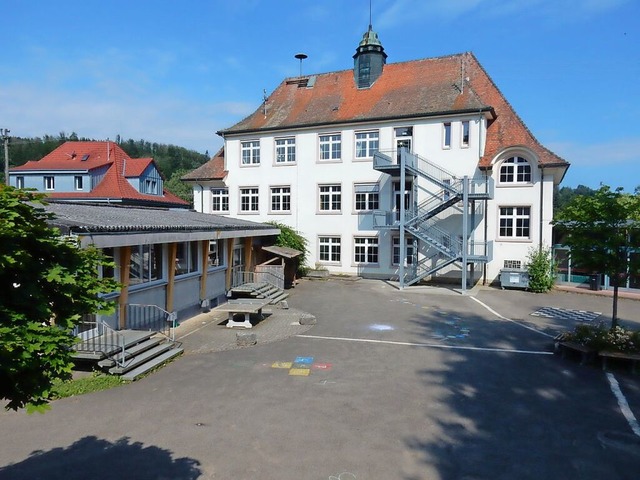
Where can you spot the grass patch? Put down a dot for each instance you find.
(94, 383)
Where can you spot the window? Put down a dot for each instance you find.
(286, 150)
(329, 249)
(366, 144)
(280, 199)
(145, 264)
(220, 199)
(150, 187)
(250, 152)
(366, 197)
(249, 199)
(186, 258)
(330, 198)
(20, 182)
(77, 181)
(446, 135)
(365, 250)
(465, 134)
(49, 182)
(515, 170)
(330, 147)
(108, 271)
(410, 251)
(512, 264)
(216, 253)
(515, 222)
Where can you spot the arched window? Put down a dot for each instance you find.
(515, 170)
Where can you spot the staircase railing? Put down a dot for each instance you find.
(242, 277)
(448, 244)
(151, 318)
(105, 342)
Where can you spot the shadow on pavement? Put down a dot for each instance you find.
(95, 458)
(515, 415)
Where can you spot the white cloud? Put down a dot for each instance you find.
(33, 111)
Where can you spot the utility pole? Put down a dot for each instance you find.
(5, 138)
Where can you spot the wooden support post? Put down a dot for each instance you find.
(248, 254)
(204, 266)
(229, 252)
(123, 299)
(173, 248)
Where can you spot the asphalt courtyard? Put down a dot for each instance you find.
(413, 384)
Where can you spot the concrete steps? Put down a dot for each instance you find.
(152, 363)
(258, 290)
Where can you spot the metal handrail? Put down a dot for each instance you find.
(242, 277)
(151, 318)
(104, 342)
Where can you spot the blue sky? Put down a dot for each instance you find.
(176, 72)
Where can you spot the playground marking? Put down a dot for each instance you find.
(428, 345)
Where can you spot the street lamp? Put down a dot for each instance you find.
(4, 132)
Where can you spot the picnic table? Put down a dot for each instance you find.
(247, 306)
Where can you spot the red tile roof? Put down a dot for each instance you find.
(212, 170)
(134, 167)
(113, 186)
(419, 88)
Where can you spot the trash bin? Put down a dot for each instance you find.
(595, 282)
(514, 278)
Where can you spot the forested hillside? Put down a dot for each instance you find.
(173, 161)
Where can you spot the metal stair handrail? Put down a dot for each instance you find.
(151, 318)
(242, 277)
(429, 205)
(103, 342)
(438, 238)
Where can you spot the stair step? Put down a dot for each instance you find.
(130, 352)
(279, 298)
(142, 358)
(150, 365)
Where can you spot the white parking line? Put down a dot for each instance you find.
(624, 405)
(428, 345)
(508, 319)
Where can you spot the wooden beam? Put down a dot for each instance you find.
(125, 265)
(204, 266)
(229, 251)
(173, 248)
(248, 254)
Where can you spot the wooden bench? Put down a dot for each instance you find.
(634, 357)
(586, 353)
(247, 306)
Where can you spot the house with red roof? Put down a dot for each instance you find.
(96, 172)
(417, 170)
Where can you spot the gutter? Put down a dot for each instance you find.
(224, 133)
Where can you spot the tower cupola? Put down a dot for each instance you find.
(369, 59)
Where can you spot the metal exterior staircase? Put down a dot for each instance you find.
(421, 220)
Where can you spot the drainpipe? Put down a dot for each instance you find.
(201, 198)
(541, 206)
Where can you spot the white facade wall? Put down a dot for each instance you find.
(308, 172)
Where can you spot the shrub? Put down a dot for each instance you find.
(599, 337)
(541, 270)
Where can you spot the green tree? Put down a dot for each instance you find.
(178, 187)
(47, 283)
(602, 230)
(540, 269)
(293, 239)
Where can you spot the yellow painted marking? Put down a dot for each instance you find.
(281, 365)
(301, 372)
